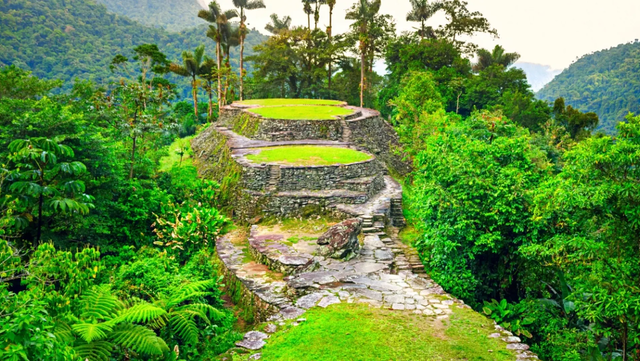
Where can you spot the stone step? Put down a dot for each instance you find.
(369, 230)
(280, 258)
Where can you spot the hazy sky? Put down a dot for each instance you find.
(549, 32)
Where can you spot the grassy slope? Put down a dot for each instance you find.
(283, 101)
(308, 155)
(358, 332)
(312, 112)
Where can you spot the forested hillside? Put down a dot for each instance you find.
(173, 15)
(605, 82)
(77, 39)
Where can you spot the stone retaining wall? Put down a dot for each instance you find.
(379, 138)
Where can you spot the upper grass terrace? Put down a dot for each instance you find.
(302, 112)
(282, 101)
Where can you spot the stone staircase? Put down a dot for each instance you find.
(274, 178)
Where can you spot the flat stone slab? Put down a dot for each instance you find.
(253, 340)
(309, 301)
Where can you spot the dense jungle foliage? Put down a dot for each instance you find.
(107, 233)
(76, 40)
(173, 15)
(605, 82)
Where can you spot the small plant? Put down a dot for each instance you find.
(509, 316)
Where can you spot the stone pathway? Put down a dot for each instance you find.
(380, 276)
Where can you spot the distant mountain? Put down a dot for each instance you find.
(76, 39)
(537, 74)
(606, 82)
(173, 15)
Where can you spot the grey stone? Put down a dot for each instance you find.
(494, 335)
(309, 301)
(383, 254)
(328, 300)
(394, 299)
(398, 306)
(517, 346)
(369, 267)
(255, 356)
(371, 294)
(253, 340)
(270, 328)
(289, 313)
(512, 339)
(341, 240)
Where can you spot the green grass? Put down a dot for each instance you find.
(358, 332)
(308, 155)
(298, 112)
(282, 101)
(180, 145)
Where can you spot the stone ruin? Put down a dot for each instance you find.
(360, 259)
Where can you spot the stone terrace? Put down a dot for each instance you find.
(280, 274)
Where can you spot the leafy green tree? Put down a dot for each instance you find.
(20, 84)
(497, 56)
(209, 73)
(590, 213)
(220, 19)
(245, 5)
(463, 22)
(192, 66)
(578, 124)
(422, 11)
(488, 88)
(44, 185)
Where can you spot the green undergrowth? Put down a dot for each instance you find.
(317, 224)
(302, 112)
(360, 332)
(303, 155)
(179, 154)
(283, 101)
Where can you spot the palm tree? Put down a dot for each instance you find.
(278, 25)
(316, 12)
(422, 10)
(191, 63)
(331, 4)
(308, 10)
(230, 38)
(363, 12)
(208, 72)
(245, 5)
(216, 16)
(496, 57)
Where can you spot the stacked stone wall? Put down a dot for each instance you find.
(324, 177)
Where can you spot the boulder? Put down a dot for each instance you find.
(341, 240)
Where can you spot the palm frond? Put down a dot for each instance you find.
(63, 332)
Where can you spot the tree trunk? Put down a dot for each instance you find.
(331, 44)
(210, 91)
(241, 67)
(133, 157)
(219, 61)
(309, 22)
(362, 65)
(242, 35)
(194, 91)
(39, 232)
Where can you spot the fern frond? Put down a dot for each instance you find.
(139, 339)
(99, 303)
(189, 291)
(182, 323)
(140, 313)
(63, 332)
(94, 351)
(209, 312)
(92, 331)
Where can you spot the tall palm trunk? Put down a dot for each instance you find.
(194, 92)
(242, 29)
(362, 66)
(219, 63)
(331, 43)
(210, 93)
